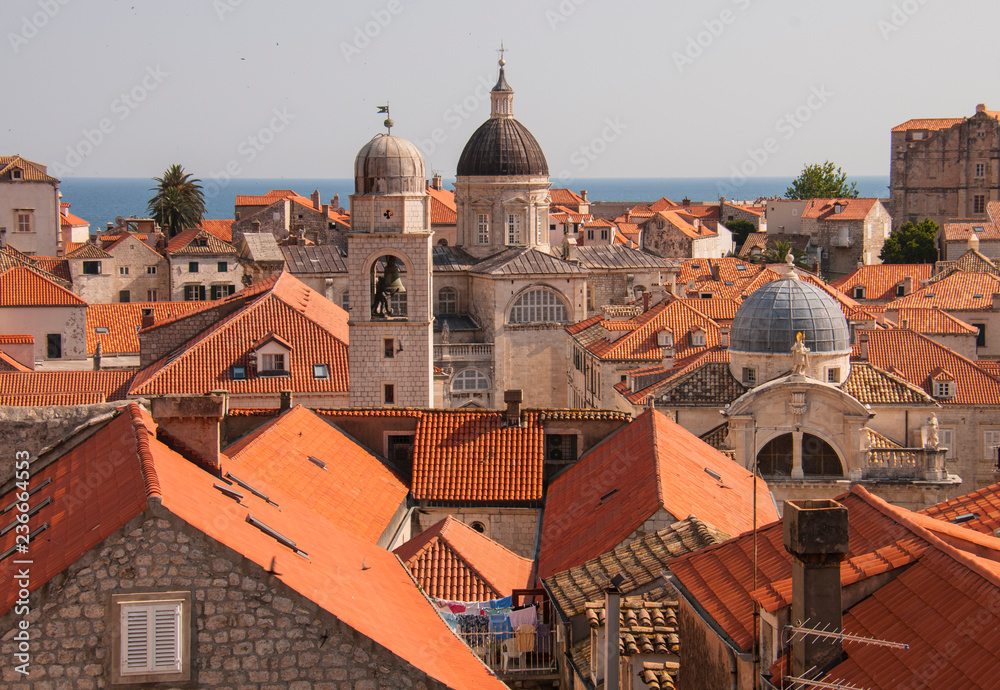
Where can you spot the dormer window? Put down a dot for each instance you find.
(859, 292)
(838, 207)
(273, 362)
(944, 389)
(273, 356)
(665, 338)
(15, 174)
(698, 338)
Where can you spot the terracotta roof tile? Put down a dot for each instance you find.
(983, 505)
(218, 227)
(443, 209)
(933, 322)
(22, 287)
(852, 209)
(451, 560)
(48, 400)
(17, 339)
(928, 123)
(960, 291)
(30, 171)
(960, 232)
(267, 199)
(974, 385)
(8, 363)
(477, 456)
(111, 384)
(122, 322)
(641, 561)
(55, 266)
(564, 197)
(88, 250)
(880, 280)
(647, 465)
(874, 386)
(354, 491)
(284, 306)
(189, 242)
(703, 378)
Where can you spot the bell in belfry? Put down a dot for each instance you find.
(387, 284)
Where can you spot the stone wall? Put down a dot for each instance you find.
(208, 273)
(705, 661)
(514, 528)
(68, 321)
(158, 342)
(250, 630)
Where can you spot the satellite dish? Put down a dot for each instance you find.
(119, 221)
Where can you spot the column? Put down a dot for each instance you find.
(797, 472)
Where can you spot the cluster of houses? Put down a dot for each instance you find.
(501, 436)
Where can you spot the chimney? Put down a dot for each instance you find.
(724, 337)
(146, 318)
(907, 284)
(190, 425)
(513, 400)
(436, 181)
(816, 535)
(685, 202)
(668, 357)
(981, 108)
(690, 286)
(111, 226)
(863, 345)
(612, 623)
(996, 301)
(714, 268)
(286, 400)
(583, 194)
(335, 202)
(645, 301)
(315, 199)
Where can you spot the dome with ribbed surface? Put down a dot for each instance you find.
(769, 319)
(389, 165)
(502, 146)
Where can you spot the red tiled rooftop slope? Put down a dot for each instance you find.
(649, 464)
(450, 560)
(110, 385)
(362, 584)
(355, 491)
(316, 327)
(679, 316)
(443, 209)
(880, 280)
(122, 321)
(928, 123)
(477, 456)
(220, 228)
(81, 514)
(915, 357)
(983, 504)
(959, 291)
(824, 209)
(22, 287)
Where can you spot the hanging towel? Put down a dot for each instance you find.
(525, 638)
(526, 616)
(500, 625)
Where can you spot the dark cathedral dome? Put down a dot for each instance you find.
(502, 146)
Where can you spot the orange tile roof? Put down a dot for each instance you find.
(8, 363)
(443, 209)
(67, 219)
(181, 243)
(451, 560)
(685, 223)
(111, 384)
(88, 250)
(30, 171)
(983, 505)
(928, 123)
(934, 322)
(22, 287)
(339, 572)
(122, 321)
(647, 465)
(17, 339)
(48, 400)
(76, 525)
(54, 266)
(220, 228)
(717, 308)
(853, 209)
(560, 196)
(914, 357)
(73, 246)
(960, 291)
(880, 280)
(354, 491)
(959, 232)
(290, 309)
(476, 456)
(271, 197)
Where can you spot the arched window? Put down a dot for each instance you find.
(470, 380)
(447, 300)
(538, 306)
(819, 459)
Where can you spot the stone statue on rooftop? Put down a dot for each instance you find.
(931, 435)
(800, 354)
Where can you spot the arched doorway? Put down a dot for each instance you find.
(819, 459)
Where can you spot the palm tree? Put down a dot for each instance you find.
(179, 202)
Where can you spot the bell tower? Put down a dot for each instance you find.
(390, 267)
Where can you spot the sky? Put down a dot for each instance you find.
(257, 89)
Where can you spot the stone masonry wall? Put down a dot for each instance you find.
(250, 630)
(513, 528)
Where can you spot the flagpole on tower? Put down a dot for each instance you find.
(388, 121)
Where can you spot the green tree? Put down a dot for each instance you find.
(911, 244)
(822, 181)
(777, 253)
(179, 202)
(741, 229)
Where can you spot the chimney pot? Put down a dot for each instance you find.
(513, 399)
(286, 400)
(724, 337)
(645, 301)
(981, 108)
(863, 345)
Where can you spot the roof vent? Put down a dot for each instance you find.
(316, 461)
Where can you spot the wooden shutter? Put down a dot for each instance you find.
(150, 638)
(135, 639)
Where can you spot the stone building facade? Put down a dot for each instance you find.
(126, 270)
(945, 168)
(284, 214)
(30, 220)
(847, 232)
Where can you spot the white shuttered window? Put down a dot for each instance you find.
(151, 637)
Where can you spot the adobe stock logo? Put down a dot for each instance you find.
(30, 26)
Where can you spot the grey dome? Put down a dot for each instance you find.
(769, 319)
(502, 146)
(389, 165)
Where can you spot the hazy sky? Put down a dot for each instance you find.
(610, 89)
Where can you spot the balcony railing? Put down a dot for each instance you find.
(464, 351)
(905, 463)
(528, 652)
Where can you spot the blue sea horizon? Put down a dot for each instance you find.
(99, 200)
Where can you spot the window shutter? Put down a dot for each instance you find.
(135, 639)
(166, 637)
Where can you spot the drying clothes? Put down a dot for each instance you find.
(525, 636)
(473, 624)
(527, 616)
(500, 625)
(544, 638)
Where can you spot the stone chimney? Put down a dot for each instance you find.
(335, 202)
(816, 535)
(645, 301)
(583, 194)
(436, 181)
(146, 318)
(690, 286)
(973, 243)
(981, 108)
(513, 399)
(996, 301)
(907, 284)
(685, 202)
(315, 199)
(285, 403)
(714, 268)
(190, 425)
(863, 345)
(724, 337)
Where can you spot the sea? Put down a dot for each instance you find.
(99, 200)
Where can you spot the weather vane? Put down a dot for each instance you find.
(502, 50)
(388, 120)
